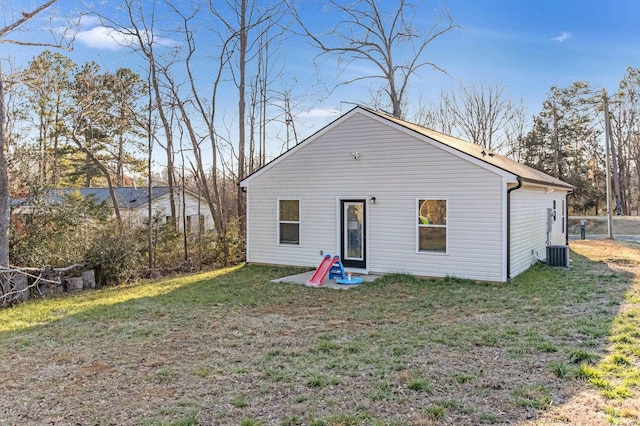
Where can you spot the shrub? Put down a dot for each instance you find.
(168, 248)
(228, 249)
(114, 256)
(57, 234)
(167, 243)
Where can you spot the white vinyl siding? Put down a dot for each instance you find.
(529, 206)
(161, 207)
(395, 167)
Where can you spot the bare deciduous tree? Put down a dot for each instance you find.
(244, 32)
(209, 188)
(140, 29)
(625, 124)
(484, 114)
(5, 208)
(435, 115)
(5, 32)
(386, 40)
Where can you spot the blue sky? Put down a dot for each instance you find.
(531, 46)
(526, 46)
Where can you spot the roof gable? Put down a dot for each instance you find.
(467, 150)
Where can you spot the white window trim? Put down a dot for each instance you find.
(278, 222)
(418, 226)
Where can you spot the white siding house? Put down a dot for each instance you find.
(134, 205)
(389, 196)
(190, 210)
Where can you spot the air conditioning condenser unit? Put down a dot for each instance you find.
(558, 256)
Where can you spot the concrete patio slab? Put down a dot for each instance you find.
(302, 278)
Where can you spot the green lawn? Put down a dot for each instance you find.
(230, 347)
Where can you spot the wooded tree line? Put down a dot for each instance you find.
(76, 125)
(213, 86)
(565, 139)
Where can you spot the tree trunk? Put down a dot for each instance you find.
(637, 161)
(169, 136)
(5, 207)
(56, 137)
(105, 172)
(241, 109)
(556, 146)
(396, 102)
(5, 212)
(120, 161)
(42, 156)
(213, 201)
(614, 157)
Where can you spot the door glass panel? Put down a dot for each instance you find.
(353, 233)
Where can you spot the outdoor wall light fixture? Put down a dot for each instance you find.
(356, 155)
(372, 200)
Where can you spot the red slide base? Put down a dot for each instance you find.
(322, 271)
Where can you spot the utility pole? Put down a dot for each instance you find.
(614, 159)
(607, 136)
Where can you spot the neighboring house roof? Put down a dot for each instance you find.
(526, 173)
(128, 197)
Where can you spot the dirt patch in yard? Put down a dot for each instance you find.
(238, 349)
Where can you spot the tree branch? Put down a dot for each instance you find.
(26, 16)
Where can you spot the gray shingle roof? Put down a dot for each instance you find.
(525, 172)
(128, 197)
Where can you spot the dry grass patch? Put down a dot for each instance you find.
(231, 347)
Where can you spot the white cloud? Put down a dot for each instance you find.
(100, 37)
(562, 37)
(104, 38)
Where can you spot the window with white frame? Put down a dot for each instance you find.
(289, 222)
(432, 226)
(564, 218)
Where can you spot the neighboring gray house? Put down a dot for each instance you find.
(390, 196)
(134, 205)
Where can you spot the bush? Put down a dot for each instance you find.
(79, 229)
(168, 246)
(114, 256)
(56, 234)
(229, 249)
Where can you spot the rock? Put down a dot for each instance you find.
(74, 284)
(20, 284)
(89, 279)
